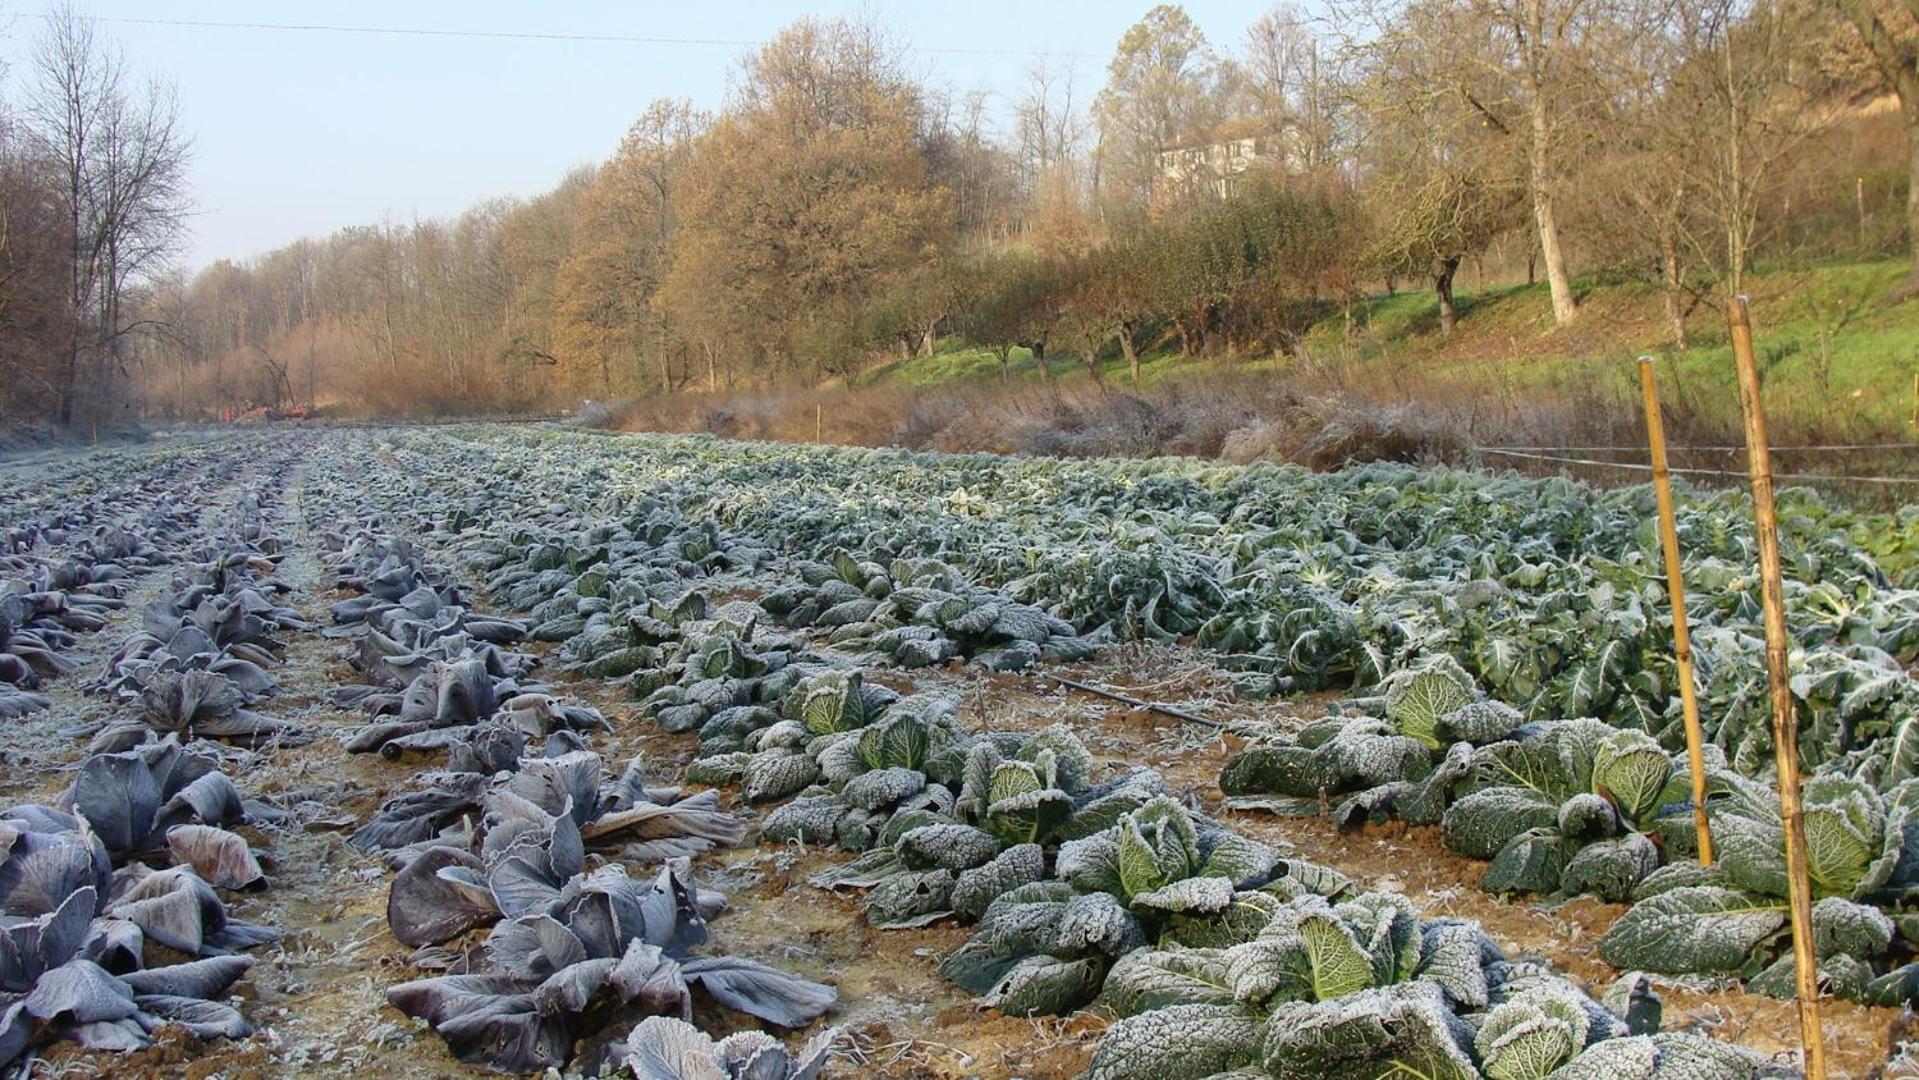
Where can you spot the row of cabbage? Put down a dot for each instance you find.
(113, 917)
(1575, 807)
(73, 536)
(1216, 954)
(515, 828)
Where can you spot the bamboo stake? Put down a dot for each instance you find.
(819, 420)
(1676, 591)
(1785, 727)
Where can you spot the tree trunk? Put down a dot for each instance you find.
(1129, 350)
(1091, 360)
(69, 376)
(1669, 280)
(1185, 336)
(1443, 288)
(1005, 364)
(930, 339)
(1039, 360)
(1911, 111)
(1565, 308)
(1539, 161)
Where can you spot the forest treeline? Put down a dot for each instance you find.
(1216, 198)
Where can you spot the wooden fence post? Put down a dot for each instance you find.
(1676, 592)
(1785, 726)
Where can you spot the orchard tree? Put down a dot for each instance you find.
(1522, 67)
(1441, 172)
(1015, 298)
(1116, 293)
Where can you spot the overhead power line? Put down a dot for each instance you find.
(530, 35)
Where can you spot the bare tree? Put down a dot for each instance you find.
(121, 156)
(1048, 128)
(1543, 32)
(1285, 84)
(1741, 96)
(1164, 84)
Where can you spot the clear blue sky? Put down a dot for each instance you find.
(299, 133)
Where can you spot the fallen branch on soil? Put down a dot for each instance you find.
(1163, 710)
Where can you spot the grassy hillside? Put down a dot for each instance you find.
(1836, 356)
(1834, 353)
(1838, 361)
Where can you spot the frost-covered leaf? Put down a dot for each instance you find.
(1702, 929)
(1843, 928)
(1610, 869)
(1187, 1040)
(1150, 979)
(1191, 896)
(1416, 705)
(776, 774)
(1485, 821)
(1452, 955)
(1095, 922)
(1046, 985)
(974, 889)
(1479, 722)
(757, 990)
(1665, 1056)
(1398, 1030)
(910, 899)
(951, 846)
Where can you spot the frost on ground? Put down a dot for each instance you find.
(555, 751)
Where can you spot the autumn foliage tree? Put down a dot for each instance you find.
(809, 193)
(611, 329)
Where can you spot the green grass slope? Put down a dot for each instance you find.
(1836, 356)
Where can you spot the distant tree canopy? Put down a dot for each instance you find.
(839, 211)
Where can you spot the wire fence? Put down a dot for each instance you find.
(1807, 447)
(1633, 466)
